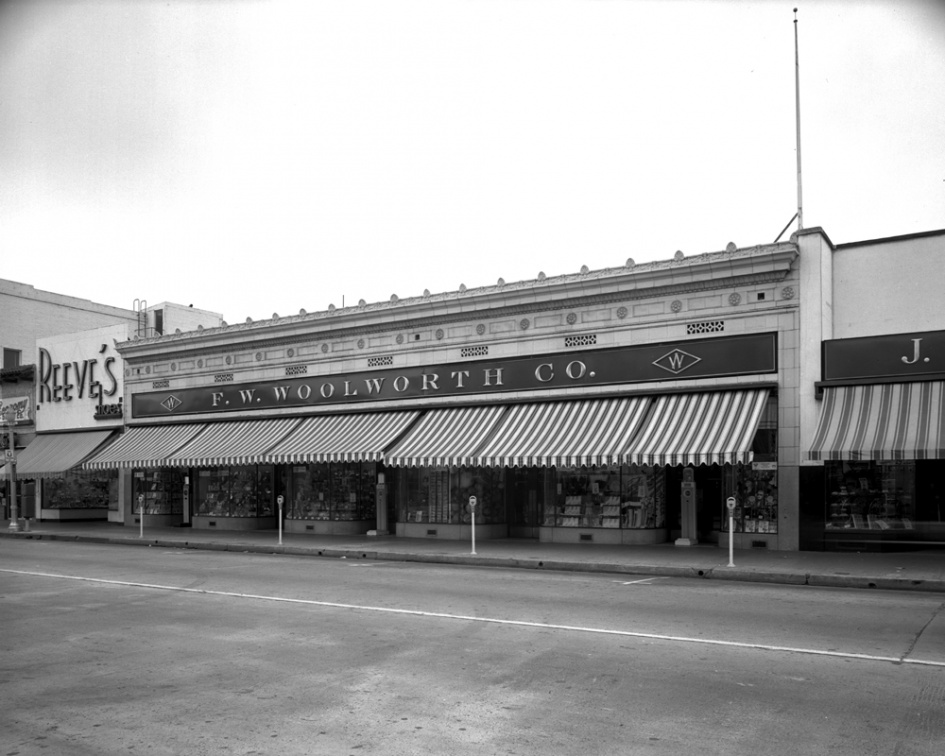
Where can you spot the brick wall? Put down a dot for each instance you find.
(28, 314)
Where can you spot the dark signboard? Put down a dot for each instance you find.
(906, 356)
(702, 358)
(108, 411)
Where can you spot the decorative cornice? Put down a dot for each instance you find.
(713, 270)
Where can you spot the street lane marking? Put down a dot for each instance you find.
(642, 581)
(494, 621)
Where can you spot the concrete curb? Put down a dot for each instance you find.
(733, 574)
(759, 576)
(878, 583)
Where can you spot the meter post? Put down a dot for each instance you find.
(140, 515)
(730, 504)
(472, 520)
(280, 499)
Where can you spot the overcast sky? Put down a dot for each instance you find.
(253, 158)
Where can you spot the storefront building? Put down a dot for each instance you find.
(30, 315)
(616, 406)
(874, 467)
(76, 400)
(69, 403)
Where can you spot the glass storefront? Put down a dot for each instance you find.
(871, 496)
(82, 490)
(339, 491)
(162, 489)
(441, 495)
(245, 491)
(755, 488)
(618, 497)
(755, 485)
(892, 500)
(607, 497)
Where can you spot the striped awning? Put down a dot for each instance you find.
(700, 429)
(445, 437)
(53, 454)
(144, 446)
(342, 438)
(232, 443)
(564, 434)
(881, 421)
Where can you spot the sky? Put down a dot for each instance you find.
(253, 158)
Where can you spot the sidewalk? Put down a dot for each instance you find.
(916, 571)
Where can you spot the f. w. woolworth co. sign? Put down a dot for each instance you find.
(704, 358)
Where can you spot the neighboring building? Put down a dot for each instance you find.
(30, 314)
(873, 398)
(66, 388)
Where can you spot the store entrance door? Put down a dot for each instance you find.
(185, 515)
(930, 494)
(524, 501)
(709, 501)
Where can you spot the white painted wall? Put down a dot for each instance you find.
(75, 411)
(889, 286)
(816, 315)
(184, 317)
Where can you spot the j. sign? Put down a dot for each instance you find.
(903, 356)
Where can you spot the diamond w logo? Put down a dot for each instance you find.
(676, 361)
(171, 403)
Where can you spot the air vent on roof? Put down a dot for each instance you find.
(296, 370)
(161, 384)
(380, 361)
(222, 377)
(474, 351)
(706, 326)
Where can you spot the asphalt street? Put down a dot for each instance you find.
(117, 649)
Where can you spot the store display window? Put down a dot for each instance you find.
(163, 491)
(755, 488)
(341, 491)
(352, 491)
(871, 495)
(441, 495)
(82, 490)
(487, 484)
(607, 497)
(885, 501)
(755, 485)
(244, 491)
(428, 496)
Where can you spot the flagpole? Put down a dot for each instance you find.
(797, 107)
